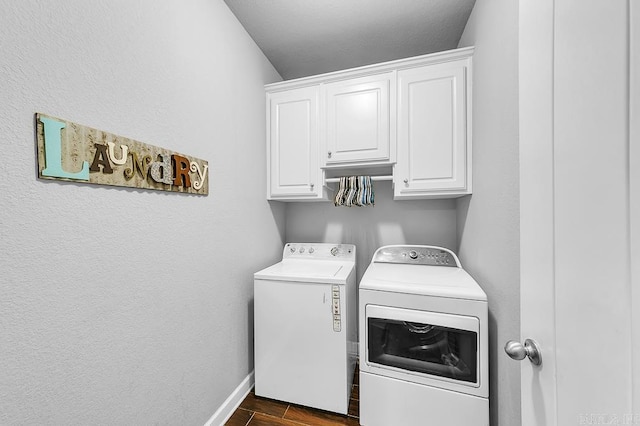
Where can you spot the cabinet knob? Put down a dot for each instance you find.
(406, 181)
(329, 154)
(311, 185)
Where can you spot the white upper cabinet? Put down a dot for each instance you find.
(412, 116)
(293, 167)
(357, 124)
(434, 144)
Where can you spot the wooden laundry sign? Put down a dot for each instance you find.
(72, 152)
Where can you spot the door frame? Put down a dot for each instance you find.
(537, 268)
(634, 192)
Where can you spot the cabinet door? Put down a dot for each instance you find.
(358, 121)
(292, 145)
(433, 142)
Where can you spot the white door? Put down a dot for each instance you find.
(358, 120)
(580, 185)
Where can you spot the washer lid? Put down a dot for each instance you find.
(422, 280)
(314, 271)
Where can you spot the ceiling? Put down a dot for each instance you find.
(308, 37)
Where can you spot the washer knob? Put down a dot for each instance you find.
(413, 254)
(334, 251)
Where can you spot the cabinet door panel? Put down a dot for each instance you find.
(358, 120)
(292, 131)
(294, 170)
(432, 132)
(431, 129)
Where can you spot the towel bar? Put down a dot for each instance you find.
(374, 178)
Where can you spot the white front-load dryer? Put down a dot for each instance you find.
(305, 329)
(423, 340)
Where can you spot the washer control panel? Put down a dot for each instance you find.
(321, 251)
(416, 255)
(335, 308)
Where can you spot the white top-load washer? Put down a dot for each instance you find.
(423, 340)
(305, 326)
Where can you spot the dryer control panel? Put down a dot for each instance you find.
(417, 255)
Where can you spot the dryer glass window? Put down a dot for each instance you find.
(423, 348)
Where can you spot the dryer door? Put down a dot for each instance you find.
(427, 347)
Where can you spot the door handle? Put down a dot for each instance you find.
(518, 351)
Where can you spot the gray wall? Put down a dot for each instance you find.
(388, 222)
(122, 306)
(482, 228)
(488, 221)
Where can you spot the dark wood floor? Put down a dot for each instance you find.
(257, 411)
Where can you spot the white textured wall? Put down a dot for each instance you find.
(126, 306)
(488, 221)
(388, 222)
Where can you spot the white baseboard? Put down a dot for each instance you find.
(229, 406)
